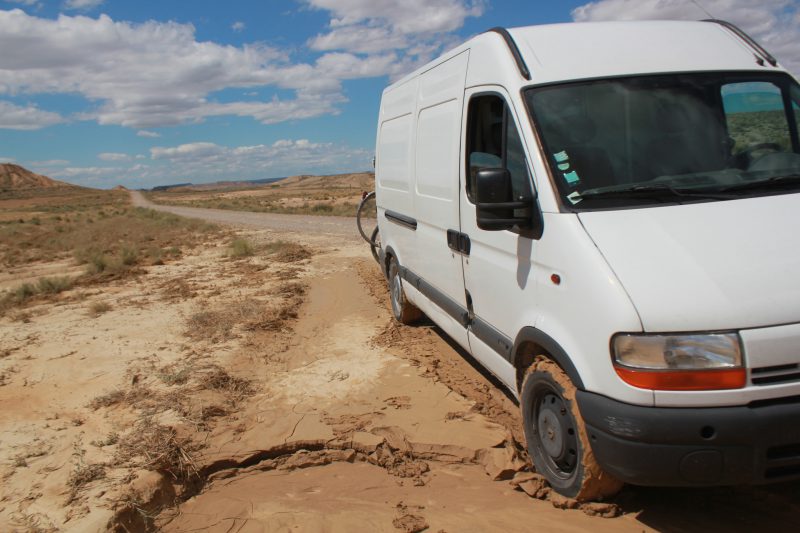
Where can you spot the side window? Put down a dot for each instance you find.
(493, 141)
(755, 116)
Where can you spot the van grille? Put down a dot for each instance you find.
(783, 461)
(770, 375)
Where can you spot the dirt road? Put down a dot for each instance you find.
(341, 227)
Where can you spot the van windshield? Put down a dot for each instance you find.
(679, 138)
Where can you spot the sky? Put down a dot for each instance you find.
(142, 93)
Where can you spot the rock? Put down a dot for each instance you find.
(604, 510)
(410, 523)
(536, 486)
(364, 442)
(562, 502)
(500, 463)
(395, 437)
(521, 477)
(306, 459)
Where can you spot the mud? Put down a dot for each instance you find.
(336, 420)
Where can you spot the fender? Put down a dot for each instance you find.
(553, 349)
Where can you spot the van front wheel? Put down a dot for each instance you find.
(404, 311)
(556, 436)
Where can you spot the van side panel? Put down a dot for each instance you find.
(393, 166)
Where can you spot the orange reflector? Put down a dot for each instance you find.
(712, 379)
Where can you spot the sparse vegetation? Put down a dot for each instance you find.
(156, 447)
(302, 195)
(28, 291)
(82, 475)
(98, 308)
(241, 247)
(96, 229)
(286, 251)
(93, 228)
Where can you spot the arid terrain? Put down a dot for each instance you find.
(309, 195)
(249, 377)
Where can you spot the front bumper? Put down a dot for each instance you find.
(665, 446)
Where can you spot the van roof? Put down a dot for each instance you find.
(573, 51)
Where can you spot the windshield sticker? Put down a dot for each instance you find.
(574, 197)
(562, 162)
(572, 177)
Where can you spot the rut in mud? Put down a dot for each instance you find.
(352, 433)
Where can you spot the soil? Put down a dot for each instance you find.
(335, 419)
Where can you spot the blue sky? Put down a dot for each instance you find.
(143, 93)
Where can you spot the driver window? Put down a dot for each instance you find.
(494, 142)
(755, 117)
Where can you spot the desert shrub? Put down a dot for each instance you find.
(129, 255)
(98, 308)
(54, 285)
(241, 247)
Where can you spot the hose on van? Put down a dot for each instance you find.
(374, 239)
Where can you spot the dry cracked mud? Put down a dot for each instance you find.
(263, 395)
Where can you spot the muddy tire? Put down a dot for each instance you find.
(556, 436)
(404, 311)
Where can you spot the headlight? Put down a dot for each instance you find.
(680, 362)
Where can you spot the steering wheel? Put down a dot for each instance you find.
(748, 152)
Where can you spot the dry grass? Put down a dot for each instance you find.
(82, 475)
(286, 251)
(101, 230)
(27, 292)
(97, 229)
(234, 390)
(157, 447)
(305, 195)
(98, 308)
(241, 247)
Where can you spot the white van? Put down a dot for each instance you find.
(606, 216)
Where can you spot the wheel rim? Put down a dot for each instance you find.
(396, 291)
(557, 434)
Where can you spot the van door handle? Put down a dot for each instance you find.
(458, 242)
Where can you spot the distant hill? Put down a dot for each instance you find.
(357, 179)
(241, 184)
(16, 178)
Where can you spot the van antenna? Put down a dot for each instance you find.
(704, 10)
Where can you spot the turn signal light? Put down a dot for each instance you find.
(710, 379)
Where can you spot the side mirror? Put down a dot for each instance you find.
(495, 201)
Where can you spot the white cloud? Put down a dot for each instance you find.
(202, 162)
(146, 133)
(238, 26)
(4, 159)
(113, 156)
(51, 163)
(14, 117)
(84, 5)
(773, 23)
(175, 73)
(191, 150)
(25, 2)
(408, 17)
(418, 30)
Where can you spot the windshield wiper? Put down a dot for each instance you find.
(659, 192)
(775, 181)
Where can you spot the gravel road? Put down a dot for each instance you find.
(342, 227)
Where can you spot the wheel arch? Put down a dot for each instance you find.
(531, 342)
(386, 257)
